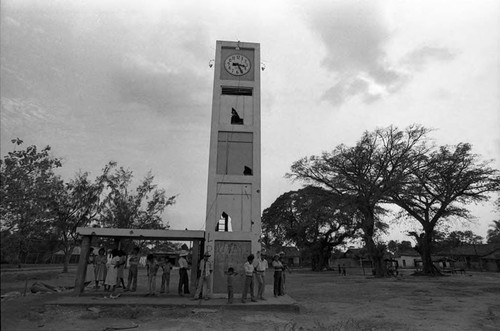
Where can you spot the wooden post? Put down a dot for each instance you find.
(82, 265)
(195, 260)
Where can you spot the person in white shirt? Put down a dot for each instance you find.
(205, 280)
(183, 275)
(261, 266)
(248, 287)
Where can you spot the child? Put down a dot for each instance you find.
(230, 280)
(166, 267)
(152, 269)
(133, 270)
(100, 267)
(90, 275)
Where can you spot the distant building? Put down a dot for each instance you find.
(352, 258)
(474, 257)
(407, 258)
(292, 255)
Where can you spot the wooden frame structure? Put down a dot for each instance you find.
(197, 237)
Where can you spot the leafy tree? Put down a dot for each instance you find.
(395, 246)
(142, 209)
(494, 233)
(28, 185)
(311, 218)
(76, 205)
(439, 186)
(366, 174)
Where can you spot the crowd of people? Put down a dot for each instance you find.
(254, 277)
(107, 269)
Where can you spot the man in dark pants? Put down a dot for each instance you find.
(249, 273)
(183, 275)
(133, 270)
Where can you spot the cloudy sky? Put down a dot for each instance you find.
(129, 81)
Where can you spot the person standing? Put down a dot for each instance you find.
(90, 276)
(283, 274)
(205, 281)
(112, 273)
(166, 267)
(278, 273)
(248, 287)
(133, 269)
(260, 272)
(183, 274)
(230, 281)
(100, 265)
(121, 269)
(152, 269)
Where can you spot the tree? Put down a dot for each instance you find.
(28, 185)
(494, 233)
(395, 246)
(439, 186)
(75, 205)
(366, 175)
(312, 219)
(139, 210)
(442, 241)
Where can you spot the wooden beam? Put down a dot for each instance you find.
(142, 234)
(81, 272)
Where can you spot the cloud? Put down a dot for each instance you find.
(417, 58)
(153, 83)
(355, 35)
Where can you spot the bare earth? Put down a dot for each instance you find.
(327, 302)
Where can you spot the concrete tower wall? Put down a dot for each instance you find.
(234, 174)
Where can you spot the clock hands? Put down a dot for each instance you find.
(239, 65)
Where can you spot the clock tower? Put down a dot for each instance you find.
(233, 223)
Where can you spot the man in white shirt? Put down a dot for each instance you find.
(183, 275)
(260, 273)
(205, 280)
(249, 271)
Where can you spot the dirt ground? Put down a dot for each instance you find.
(327, 301)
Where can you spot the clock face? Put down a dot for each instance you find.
(237, 64)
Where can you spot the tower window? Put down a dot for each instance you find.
(228, 90)
(224, 223)
(235, 153)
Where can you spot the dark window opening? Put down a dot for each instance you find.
(237, 91)
(234, 152)
(247, 171)
(235, 118)
(224, 223)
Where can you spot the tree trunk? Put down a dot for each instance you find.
(376, 256)
(314, 262)
(67, 258)
(321, 261)
(426, 254)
